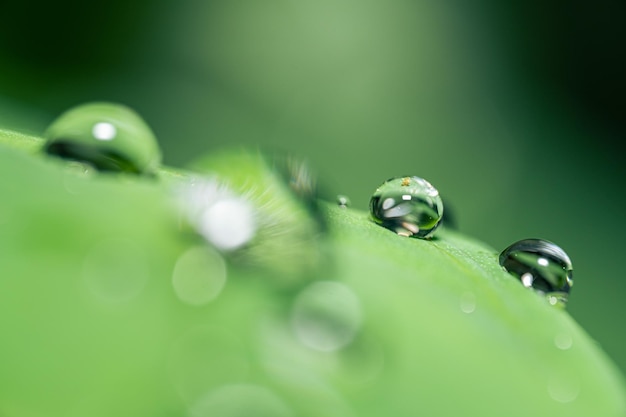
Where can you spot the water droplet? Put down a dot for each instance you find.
(116, 270)
(563, 389)
(343, 201)
(563, 341)
(225, 220)
(409, 206)
(468, 302)
(288, 224)
(199, 276)
(110, 137)
(326, 316)
(239, 400)
(542, 266)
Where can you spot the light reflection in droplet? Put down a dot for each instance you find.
(199, 276)
(104, 131)
(116, 270)
(239, 400)
(468, 302)
(527, 279)
(563, 341)
(326, 316)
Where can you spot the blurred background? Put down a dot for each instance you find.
(513, 110)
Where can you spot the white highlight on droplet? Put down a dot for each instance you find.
(229, 223)
(527, 279)
(326, 316)
(542, 261)
(199, 276)
(406, 197)
(104, 131)
(563, 341)
(388, 203)
(468, 303)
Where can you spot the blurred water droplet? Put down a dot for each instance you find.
(225, 220)
(343, 201)
(326, 316)
(409, 206)
(563, 389)
(468, 302)
(563, 341)
(229, 223)
(199, 276)
(542, 266)
(240, 400)
(116, 271)
(108, 136)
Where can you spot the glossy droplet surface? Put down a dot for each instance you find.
(540, 265)
(343, 201)
(108, 136)
(409, 206)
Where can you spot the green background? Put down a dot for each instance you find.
(513, 111)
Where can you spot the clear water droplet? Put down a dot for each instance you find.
(563, 341)
(468, 303)
(409, 206)
(326, 316)
(542, 266)
(108, 136)
(199, 276)
(241, 400)
(343, 201)
(563, 389)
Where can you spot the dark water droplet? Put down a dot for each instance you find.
(540, 265)
(409, 206)
(343, 201)
(108, 136)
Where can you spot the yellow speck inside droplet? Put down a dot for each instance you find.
(406, 181)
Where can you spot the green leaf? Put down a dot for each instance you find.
(90, 322)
